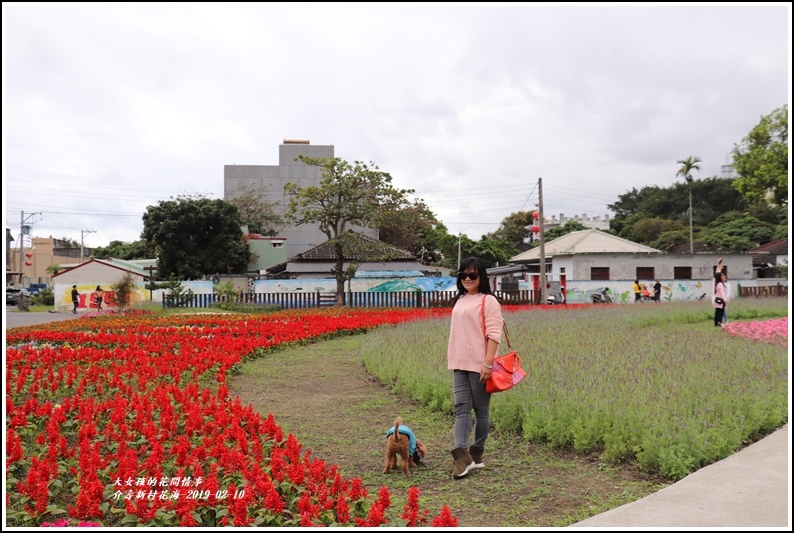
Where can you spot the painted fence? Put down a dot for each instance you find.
(296, 300)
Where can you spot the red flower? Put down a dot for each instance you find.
(445, 519)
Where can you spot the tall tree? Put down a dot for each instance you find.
(493, 252)
(441, 248)
(257, 212)
(649, 230)
(408, 227)
(687, 166)
(711, 197)
(196, 237)
(126, 251)
(565, 229)
(513, 228)
(348, 195)
(738, 232)
(761, 160)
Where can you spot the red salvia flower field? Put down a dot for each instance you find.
(127, 421)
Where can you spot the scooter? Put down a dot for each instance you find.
(601, 296)
(555, 298)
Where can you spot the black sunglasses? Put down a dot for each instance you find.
(471, 275)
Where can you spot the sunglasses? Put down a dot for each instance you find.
(470, 275)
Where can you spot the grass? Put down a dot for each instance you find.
(323, 394)
(551, 459)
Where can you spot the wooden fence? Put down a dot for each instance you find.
(763, 292)
(296, 300)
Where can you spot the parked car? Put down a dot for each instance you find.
(12, 295)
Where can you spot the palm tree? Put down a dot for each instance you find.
(687, 166)
(54, 269)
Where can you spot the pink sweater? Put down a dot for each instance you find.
(466, 349)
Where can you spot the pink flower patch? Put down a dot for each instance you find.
(771, 331)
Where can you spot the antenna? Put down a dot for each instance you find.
(727, 168)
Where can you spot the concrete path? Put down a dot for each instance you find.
(749, 489)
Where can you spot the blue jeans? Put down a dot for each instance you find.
(470, 394)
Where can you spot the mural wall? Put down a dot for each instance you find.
(357, 285)
(623, 291)
(577, 291)
(87, 300)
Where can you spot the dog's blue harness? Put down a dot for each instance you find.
(405, 430)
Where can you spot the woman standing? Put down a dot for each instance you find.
(98, 295)
(470, 354)
(720, 297)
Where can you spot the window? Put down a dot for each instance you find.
(278, 244)
(682, 272)
(599, 273)
(645, 273)
(562, 270)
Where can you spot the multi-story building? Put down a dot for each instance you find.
(272, 178)
(595, 222)
(32, 261)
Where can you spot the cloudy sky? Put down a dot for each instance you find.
(109, 108)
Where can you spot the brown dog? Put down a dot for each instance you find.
(398, 444)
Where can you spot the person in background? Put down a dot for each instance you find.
(637, 291)
(719, 298)
(98, 295)
(75, 298)
(475, 332)
(657, 291)
(728, 292)
(646, 294)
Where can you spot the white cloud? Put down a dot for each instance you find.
(109, 108)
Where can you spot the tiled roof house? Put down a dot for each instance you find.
(382, 261)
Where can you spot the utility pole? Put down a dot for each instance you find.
(459, 236)
(83, 233)
(542, 245)
(151, 269)
(23, 230)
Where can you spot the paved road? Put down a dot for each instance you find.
(15, 319)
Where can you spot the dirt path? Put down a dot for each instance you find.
(324, 396)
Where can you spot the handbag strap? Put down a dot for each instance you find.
(504, 324)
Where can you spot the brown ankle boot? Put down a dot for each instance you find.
(463, 463)
(476, 456)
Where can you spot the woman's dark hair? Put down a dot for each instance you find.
(479, 266)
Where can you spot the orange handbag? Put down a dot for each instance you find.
(506, 372)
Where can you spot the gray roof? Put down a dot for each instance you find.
(324, 267)
(136, 266)
(507, 269)
(589, 241)
(372, 249)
